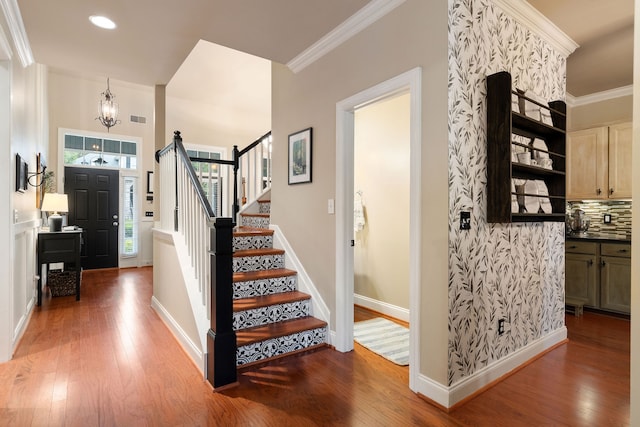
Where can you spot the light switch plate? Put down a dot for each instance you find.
(606, 218)
(465, 220)
(331, 207)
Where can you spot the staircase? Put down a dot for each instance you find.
(272, 319)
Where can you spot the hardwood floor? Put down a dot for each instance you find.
(108, 360)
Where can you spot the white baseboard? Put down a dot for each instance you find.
(449, 396)
(189, 346)
(382, 307)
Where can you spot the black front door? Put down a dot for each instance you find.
(93, 206)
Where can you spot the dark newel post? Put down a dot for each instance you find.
(176, 138)
(221, 339)
(236, 165)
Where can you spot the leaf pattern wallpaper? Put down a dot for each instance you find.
(496, 271)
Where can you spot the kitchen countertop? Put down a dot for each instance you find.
(599, 237)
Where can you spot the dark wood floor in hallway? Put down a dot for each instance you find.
(108, 360)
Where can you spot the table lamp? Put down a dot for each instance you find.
(55, 202)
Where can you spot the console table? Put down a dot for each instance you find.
(60, 246)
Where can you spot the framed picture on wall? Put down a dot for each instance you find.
(22, 171)
(300, 157)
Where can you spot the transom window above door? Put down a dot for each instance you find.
(99, 152)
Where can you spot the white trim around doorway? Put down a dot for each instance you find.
(411, 82)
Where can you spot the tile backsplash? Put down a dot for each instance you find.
(620, 211)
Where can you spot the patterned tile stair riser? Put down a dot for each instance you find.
(258, 262)
(253, 288)
(278, 346)
(255, 221)
(277, 313)
(267, 331)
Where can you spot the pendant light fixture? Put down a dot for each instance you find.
(108, 112)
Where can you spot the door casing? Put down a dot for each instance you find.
(410, 81)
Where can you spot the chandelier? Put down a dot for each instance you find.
(108, 109)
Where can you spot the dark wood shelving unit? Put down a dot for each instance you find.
(502, 123)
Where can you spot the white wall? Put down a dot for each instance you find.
(170, 297)
(412, 35)
(22, 126)
(203, 124)
(602, 113)
(73, 104)
(381, 173)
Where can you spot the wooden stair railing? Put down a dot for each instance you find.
(210, 247)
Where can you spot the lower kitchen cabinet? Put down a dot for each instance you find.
(599, 274)
(615, 277)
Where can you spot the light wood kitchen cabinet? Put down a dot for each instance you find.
(581, 272)
(599, 163)
(615, 278)
(599, 274)
(620, 142)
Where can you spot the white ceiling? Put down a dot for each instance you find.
(155, 36)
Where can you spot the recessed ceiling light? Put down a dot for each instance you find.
(102, 22)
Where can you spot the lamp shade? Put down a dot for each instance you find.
(55, 202)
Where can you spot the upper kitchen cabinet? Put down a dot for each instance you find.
(599, 163)
(620, 142)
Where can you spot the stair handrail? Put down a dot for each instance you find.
(250, 182)
(257, 147)
(209, 243)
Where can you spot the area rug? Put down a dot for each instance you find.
(385, 338)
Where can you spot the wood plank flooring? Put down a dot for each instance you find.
(108, 360)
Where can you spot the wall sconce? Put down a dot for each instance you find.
(55, 202)
(108, 109)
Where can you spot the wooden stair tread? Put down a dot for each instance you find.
(256, 215)
(267, 300)
(258, 252)
(262, 274)
(279, 329)
(264, 201)
(244, 230)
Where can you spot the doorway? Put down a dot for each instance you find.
(407, 82)
(381, 206)
(93, 206)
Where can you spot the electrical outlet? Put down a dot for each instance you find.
(606, 218)
(501, 326)
(465, 220)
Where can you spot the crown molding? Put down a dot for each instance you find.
(18, 33)
(531, 18)
(366, 16)
(619, 92)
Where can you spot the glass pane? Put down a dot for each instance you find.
(111, 146)
(128, 147)
(128, 162)
(203, 154)
(192, 153)
(110, 160)
(73, 141)
(129, 229)
(93, 144)
(99, 160)
(72, 157)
